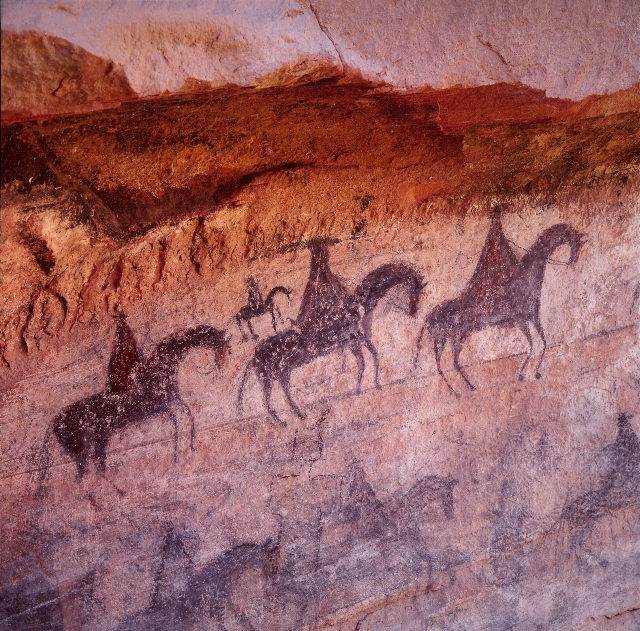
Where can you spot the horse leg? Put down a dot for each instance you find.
(184, 408)
(357, 353)
(253, 333)
(457, 347)
(438, 347)
(538, 328)
(524, 327)
(376, 359)
(239, 323)
(284, 382)
(243, 382)
(267, 387)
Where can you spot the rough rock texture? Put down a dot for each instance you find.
(44, 75)
(569, 50)
(140, 247)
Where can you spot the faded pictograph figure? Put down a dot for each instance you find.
(330, 543)
(136, 390)
(185, 597)
(257, 307)
(330, 320)
(503, 292)
(618, 488)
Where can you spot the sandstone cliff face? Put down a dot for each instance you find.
(570, 51)
(318, 355)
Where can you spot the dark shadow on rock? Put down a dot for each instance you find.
(31, 604)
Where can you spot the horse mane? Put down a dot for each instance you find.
(275, 290)
(376, 283)
(179, 343)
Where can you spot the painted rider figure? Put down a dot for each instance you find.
(126, 360)
(325, 296)
(254, 301)
(495, 266)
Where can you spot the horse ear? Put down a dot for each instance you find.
(423, 285)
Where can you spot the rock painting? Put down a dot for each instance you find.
(257, 306)
(205, 593)
(618, 488)
(330, 320)
(136, 390)
(503, 291)
(289, 572)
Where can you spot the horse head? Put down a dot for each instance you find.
(415, 293)
(561, 234)
(414, 284)
(377, 283)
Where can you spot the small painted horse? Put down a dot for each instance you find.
(503, 292)
(135, 391)
(349, 328)
(257, 307)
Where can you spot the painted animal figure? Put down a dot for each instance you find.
(257, 307)
(135, 391)
(502, 292)
(189, 598)
(345, 325)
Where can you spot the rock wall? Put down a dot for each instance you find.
(320, 355)
(570, 50)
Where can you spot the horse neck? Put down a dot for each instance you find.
(534, 262)
(374, 287)
(167, 355)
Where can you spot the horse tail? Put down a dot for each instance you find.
(243, 382)
(278, 289)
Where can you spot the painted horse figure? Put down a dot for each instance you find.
(330, 320)
(502, 292)
(135, 391)
(257, 307)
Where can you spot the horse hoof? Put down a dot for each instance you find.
(472, 387)
(538, 375)
(520, 377)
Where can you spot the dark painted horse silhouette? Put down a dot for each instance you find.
(330, 320)
(502, 292)
(205, 595)
(257, 307)
(136, 390)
